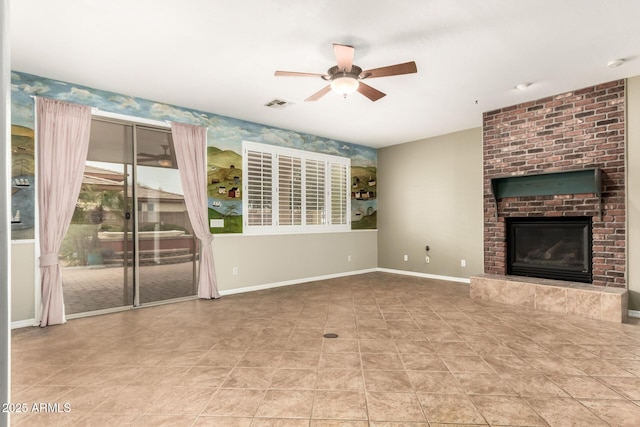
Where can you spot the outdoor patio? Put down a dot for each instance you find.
(97, 288)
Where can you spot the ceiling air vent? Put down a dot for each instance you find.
(278, 104)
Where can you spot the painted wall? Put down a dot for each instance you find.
(23, 270)
(430, 193)
(260, 260)
(633, 192)
(283, 258)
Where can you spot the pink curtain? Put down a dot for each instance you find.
(63, 141)
(190, 144)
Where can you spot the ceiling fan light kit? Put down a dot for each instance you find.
(346, 78)
(344, 85)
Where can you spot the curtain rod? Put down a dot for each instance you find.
(108, 114)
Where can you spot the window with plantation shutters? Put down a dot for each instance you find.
(258, 188)
(315, 184)
(339, 192)
(289, 190)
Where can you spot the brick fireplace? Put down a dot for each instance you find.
(581, 129)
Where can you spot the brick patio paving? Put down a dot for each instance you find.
(89, 288)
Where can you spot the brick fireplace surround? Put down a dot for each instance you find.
(575, 130)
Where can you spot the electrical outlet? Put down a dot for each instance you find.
(463, 263)
(406, 257)
(427, 259)
(235, 271)
(348, 258)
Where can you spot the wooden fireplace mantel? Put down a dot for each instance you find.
(545, 184)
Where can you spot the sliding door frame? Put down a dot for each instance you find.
(136, 303)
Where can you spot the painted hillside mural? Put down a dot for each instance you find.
(224, 177)
(22, 182)
(224, 140)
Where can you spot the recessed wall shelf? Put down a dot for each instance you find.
(546, 184)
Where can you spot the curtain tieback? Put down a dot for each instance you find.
(48, 259)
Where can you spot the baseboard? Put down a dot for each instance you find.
(23, 323)
(634, 313)
(293, 282)
(425, 275)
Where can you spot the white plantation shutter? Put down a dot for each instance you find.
(339, 189)
(259, 188)
(289, 190)
(315, 192)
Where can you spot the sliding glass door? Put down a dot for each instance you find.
(167, 248)
(130, 241)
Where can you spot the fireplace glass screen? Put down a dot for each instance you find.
(553, 248)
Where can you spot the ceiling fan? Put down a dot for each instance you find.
(165, 160)
(346, 78)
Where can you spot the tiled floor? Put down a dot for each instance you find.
(410, 352)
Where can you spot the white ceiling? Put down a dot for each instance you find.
(220, 56)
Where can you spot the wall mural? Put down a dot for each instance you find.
(22, 182)
(224, 144)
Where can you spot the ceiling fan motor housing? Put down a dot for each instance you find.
(335, 72)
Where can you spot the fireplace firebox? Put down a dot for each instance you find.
(550, 247)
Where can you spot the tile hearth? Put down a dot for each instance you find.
(579, 299)
(410, 352)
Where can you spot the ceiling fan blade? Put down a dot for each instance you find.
(344, 56)
(297, 74)
(391, 70)
(149, 155)
(319, 94)
(369, 92)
